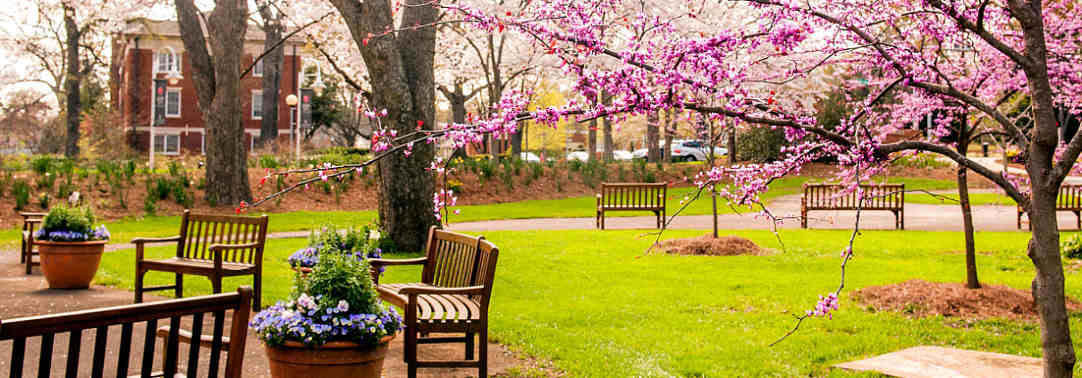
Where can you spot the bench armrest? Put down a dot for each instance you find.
(170, 239)
(388, 262)
(33, 215)
(139, 242)
(466, 290)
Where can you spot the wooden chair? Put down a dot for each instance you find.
(452, 297)
(47, 327)
(26, 246)
(213, 246)
(633, 196)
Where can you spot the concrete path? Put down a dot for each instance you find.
(929, 362)
(947, 217)
(28, 295)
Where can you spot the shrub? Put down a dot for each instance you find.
(1072, 247)
(21, 191)
(925, 161)
(150, 204)
(44, 200)
(454, 185)
(42, 164)
(760, 144)
(269, 162)
(536, 170)
(487, 168)
(70, 224)
(46, 181)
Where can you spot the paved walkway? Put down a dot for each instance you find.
(24, 295)
(946, 217)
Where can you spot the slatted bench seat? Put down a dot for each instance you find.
(452, 297)
(887, 197)
(100, 323)
(1069, 198)
(631, 197)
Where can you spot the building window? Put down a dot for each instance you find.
(257, 104)
(165, 61)
(172, 102)
(257, 70)
(168, 144)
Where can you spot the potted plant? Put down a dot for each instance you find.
(70, 247)
(334, 324)
(360, 243)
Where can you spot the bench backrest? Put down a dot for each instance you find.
(831, 196)
(200, 231)
(1069, 197)
(629, 195)
(102, 321)
(458, 260)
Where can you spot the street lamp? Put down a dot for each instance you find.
(291, 100)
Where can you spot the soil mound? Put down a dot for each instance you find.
(951, 299)
(708, 245)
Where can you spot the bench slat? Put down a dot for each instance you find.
(97, 369)
(75, 339)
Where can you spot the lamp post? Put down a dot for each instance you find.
(293, 100)
(173, 77)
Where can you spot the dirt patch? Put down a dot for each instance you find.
(708, 245)
(951, 299)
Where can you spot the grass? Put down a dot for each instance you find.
(575, 207)
(975, 199)
(590, 303)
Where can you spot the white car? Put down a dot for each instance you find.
(622, 155)
(685, 150)
(578, 155)
(530, 157)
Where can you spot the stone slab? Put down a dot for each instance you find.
(933, 361)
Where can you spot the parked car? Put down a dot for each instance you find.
(685, 150)
(622, 155)
(578, 155)
(530, 157)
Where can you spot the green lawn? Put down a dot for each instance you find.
(157, 226)
(588, 303)
(975, 199)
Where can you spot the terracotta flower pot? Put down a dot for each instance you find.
(302, 270)
(70, 265)
(332, 360)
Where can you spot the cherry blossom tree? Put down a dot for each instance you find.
(906, 54)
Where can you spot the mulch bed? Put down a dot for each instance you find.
(920, 298)
(707, 245)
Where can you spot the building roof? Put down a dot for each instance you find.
(171, 29)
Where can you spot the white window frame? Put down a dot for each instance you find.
(161, 54)
(165, 144)
(180, 102)
(257, 68)
(257, 92)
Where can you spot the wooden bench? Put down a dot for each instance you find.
(213, 246)
(26, 246)
(631, 197)
(106, 320)
(1069, 198)
(452, 297)
(889, 197)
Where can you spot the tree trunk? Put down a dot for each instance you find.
(217, 84)
(591, 142)
(74, 107)
(516, 143)
(653, 152)
(732, 144)
(670, 129)
(272, 76)
(401, 66)
(967, 221)
(458, 111)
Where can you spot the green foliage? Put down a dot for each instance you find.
(46, 181)
(337, 156)
(339, 277)
(1072, 247)
(924, 160)
(760, 144)
(536, 170)
(21, 191)
(42, 164)
(74, 219)
(507, 176)
(454, 185)
(487, 168)
(269, 162)
(642, 173)
(44, 200)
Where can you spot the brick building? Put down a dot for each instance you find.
(149, 50)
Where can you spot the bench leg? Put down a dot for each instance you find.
(179, 290)
(482, 369)
(409, 347)
(22, 251)
(139, 274)
(257, 282)
(803, 219)
(469, 346)
(30, 258)
(216, 284)
(1078, 217)
(602, 220)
